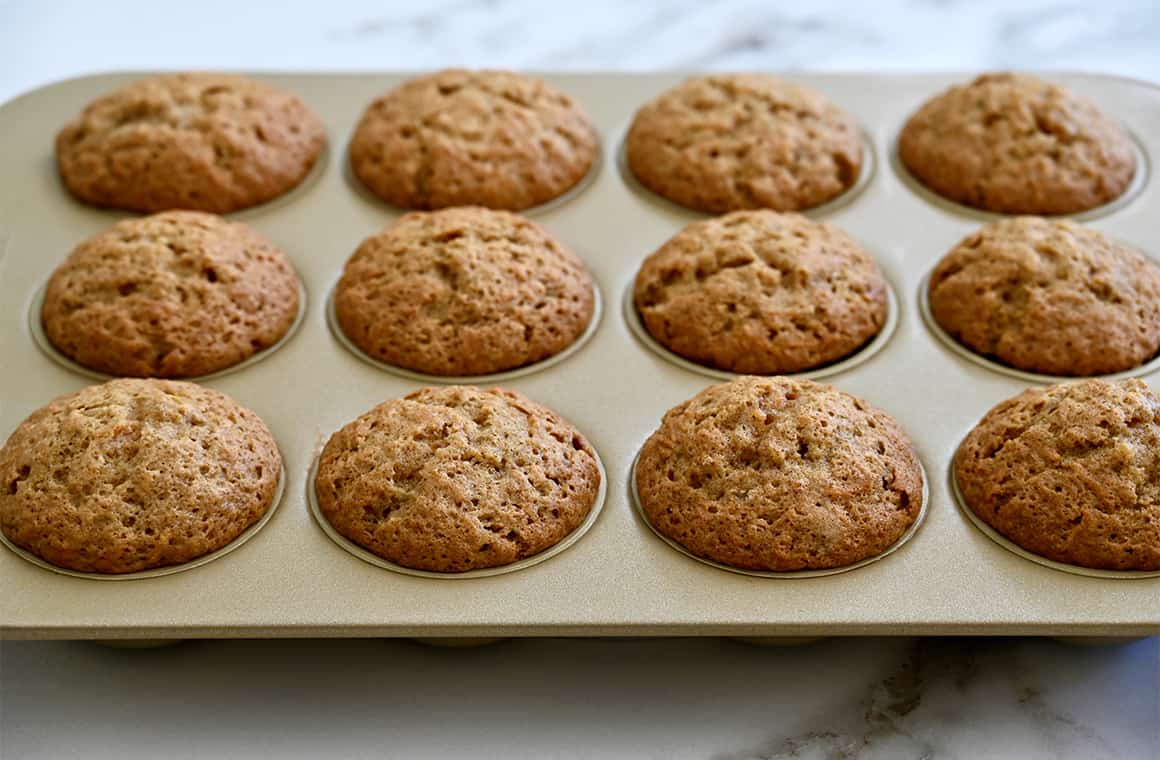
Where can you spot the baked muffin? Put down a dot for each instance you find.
(456, 478)
(463, 291)
(1014, 144)
(779, 474)
(135, 474)
(727, 142)
(485, 138)
(762, 293)
(1070, 472)
(1049, 296)
(209, 142)
(176, 294)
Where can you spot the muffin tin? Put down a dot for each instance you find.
(291, 579)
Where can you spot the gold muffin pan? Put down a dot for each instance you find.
(615, 577)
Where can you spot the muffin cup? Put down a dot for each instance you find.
(36, 328)
(849, 195)
(364, 192)
(158, 572)
(910, 531)
(484, 572)
(1014, 548)
(863, 354)
(495, 377)
(960, 350)
(1134, 188)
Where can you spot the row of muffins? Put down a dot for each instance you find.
(472, 291)
(1008, 143)
(761, 474)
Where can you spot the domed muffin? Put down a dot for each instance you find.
(727, 142)
(777, 474)
(456, 478)
(1049, 296)
(208, 142)
(463, 291)
(762, 293)
(176, 294)
(1014, 144)
(485, 138)
(135, 474)
(1070, 472)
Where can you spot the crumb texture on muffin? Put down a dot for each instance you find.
(1070, 472)
(208, 142)
(728, 142)
(779, 474)
(489, 138)
(1049, 296)
(456, 478)
(176, 294)
(135, 474)
(463, 291)
(760, 292)
(1014, 144)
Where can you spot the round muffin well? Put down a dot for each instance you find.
(176, 294)
(135, 474)
(759, 292)
(1070, 472)
(1014, 144)
(780, 475)
(209, 142)
(454, 479)
(728, 142)
(489, 138)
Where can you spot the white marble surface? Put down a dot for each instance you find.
(900, 698)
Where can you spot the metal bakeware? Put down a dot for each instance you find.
(290, 579)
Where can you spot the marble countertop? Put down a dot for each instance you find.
(840, 698)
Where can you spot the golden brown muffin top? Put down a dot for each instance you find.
(1071, 472)
(456, 478)
(135, 474)
(176, 294)
(779, 474)
(210, 142)
(1014, 144)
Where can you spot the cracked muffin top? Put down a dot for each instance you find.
(1049, 296)
(176, 294)
(208, 142)
(760, 292)
(1014, 144)
(779, 474)
(456, 478)
(744, 141)
(1070, 472)
(135, 474)
(463, 291)
(485, 138)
